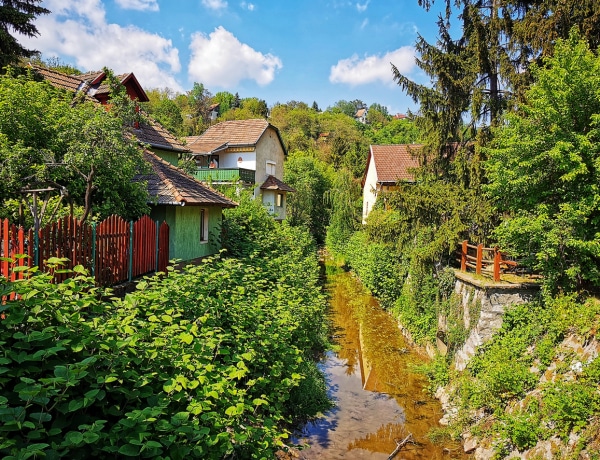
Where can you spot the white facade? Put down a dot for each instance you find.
(370, 189)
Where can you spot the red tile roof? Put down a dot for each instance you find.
(233, 133)
(393, 162)
(167, 184)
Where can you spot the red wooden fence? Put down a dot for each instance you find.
(484, 260)
(113, 251)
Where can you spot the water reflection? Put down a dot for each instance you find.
(379, 401)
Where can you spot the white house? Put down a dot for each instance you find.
(386, 166)
(249, 151)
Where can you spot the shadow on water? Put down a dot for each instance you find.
(378, 399)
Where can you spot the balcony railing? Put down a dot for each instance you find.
(225, 175)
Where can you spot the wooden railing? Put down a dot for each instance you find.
(225, 175)
(113, 251)
(484, 260)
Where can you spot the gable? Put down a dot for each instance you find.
(392, 162)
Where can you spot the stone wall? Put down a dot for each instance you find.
(489, 300)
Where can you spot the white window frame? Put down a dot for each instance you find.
(270, 168)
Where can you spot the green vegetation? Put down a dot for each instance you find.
(212, 361)
(79, 150)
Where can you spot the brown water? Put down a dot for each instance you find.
(379, 400)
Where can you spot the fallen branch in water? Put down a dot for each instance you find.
(400, 445)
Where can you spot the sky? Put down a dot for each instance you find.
(321, 51)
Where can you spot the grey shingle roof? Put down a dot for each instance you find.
(169, 185)
(272, 183)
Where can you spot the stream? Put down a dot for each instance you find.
(378, 399)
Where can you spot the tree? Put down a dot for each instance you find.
(17, 16)
(199, 100)
(82, 149)
(544, 169)
(312, 180)
(164, 109)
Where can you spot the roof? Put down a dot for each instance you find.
(91, 84)
(233, 133)
(360, 113)
(272, 183)
(169, 185)
(393, 162)
(154, 134)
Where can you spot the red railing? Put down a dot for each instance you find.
(112, 251)
(484, 260)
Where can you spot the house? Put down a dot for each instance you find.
(213, 111)
(386, 166)
(192, 209)
(247, 151)
(361, 115)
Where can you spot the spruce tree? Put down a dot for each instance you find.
(17, 16)
(484, 70)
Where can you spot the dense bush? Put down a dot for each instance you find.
(212, 361)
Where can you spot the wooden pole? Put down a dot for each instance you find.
(479, 259)
(463, 255)
(497, 258)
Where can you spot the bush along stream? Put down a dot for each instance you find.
(213, 361)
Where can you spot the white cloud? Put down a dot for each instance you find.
(364, 24)
(77, 32)
(248, 6)
(220, 59)
(141, 5)
(362, 8)
(215, 4)
(355, 71)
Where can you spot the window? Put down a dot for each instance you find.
(270, 168)
(203, 225)
(279, 200)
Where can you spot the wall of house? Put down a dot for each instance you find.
(269, 201)
(167, 155)
(230, 160)
(184, 230)
(268, 147)
(369, 190)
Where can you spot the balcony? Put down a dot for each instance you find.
(225, 175)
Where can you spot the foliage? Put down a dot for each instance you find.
(543, 170)
(18, 16)
(163, 108)
(312, 179)
(344, 199)
(209, 362)
(81, 151)
(402, 131)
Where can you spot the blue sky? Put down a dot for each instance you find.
(303, 50)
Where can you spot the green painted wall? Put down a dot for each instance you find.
(167, 155)
(184, 230)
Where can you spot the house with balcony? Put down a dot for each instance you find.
(249, 152)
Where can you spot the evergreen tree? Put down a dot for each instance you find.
(483, 72)
(17, 16)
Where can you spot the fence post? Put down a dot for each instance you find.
(130, 270)
(463, 256)
(94, 250)
(479, 259)
(36, 247)
(156, 247)
(497, 258)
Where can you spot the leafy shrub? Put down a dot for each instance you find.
(569, 405)
(203, 363)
